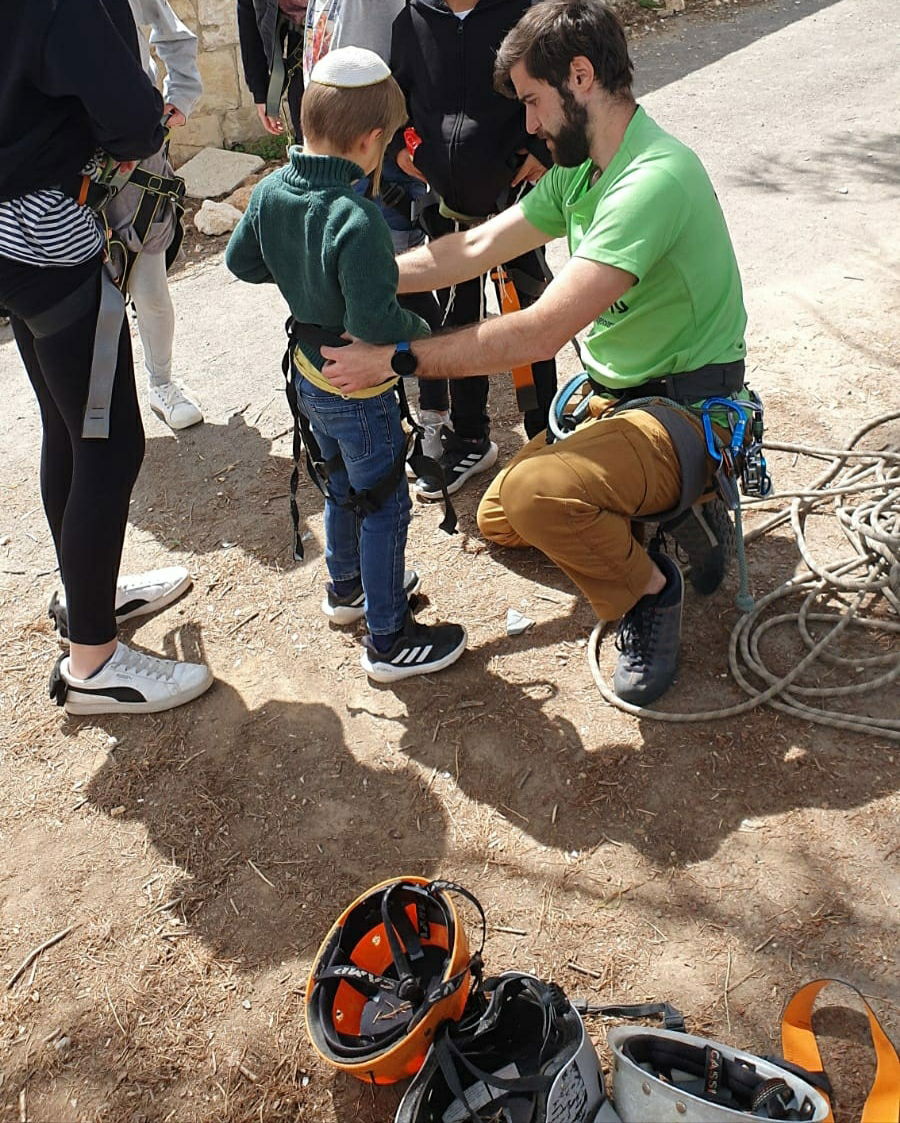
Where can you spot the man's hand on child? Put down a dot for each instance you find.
(531, 170)
(272, 125)
(405, 164)
(356, 366)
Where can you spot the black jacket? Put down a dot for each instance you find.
(258, 35)
(71, 82)
(470, 133)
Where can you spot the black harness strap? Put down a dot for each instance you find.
(319, 469)
(156, 191)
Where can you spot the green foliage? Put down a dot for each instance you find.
(269, 147)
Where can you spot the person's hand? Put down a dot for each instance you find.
(173, 118)
(405, 164)
(356, 366)
(530, 171)
(272, 125)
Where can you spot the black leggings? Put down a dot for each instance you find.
(85, 484)
(468, 396)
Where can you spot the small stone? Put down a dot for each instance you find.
(247, 1004)
(117, 812)
(516, 623)
(843, 191)
(216, 218)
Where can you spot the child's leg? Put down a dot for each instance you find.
(149, 290)
(464, 304)
(536, 420)
(369, 436)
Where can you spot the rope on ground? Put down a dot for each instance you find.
(860, 591)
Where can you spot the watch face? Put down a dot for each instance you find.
(404, 363)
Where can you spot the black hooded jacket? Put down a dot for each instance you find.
(70, 82)
(471, 135)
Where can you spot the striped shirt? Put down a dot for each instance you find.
(48, 228)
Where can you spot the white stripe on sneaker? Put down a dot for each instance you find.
(424, 654)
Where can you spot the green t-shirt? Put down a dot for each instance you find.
(653, 213)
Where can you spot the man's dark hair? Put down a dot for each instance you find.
(554, 32)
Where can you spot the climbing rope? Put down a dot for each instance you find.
(860, 591)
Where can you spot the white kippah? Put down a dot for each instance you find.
(349, 68)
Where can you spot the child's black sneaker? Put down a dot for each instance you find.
(352, 606)
(420, 649)
(460, 460)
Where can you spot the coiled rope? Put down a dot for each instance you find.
(863, 487)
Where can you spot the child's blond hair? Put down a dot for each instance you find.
(340, 115)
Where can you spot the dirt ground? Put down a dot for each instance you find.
(199, 856)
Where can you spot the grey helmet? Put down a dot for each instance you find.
(672, 1077)
(520, 1054)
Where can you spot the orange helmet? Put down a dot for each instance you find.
(395, 965)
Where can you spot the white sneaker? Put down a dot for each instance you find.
(432, 421)
(129, 683)
(174, 406)
(136, 595)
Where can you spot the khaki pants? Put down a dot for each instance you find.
(574, 500)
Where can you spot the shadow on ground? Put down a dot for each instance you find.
(218, 787)
(220, 484)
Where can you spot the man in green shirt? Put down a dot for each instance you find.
(653, 278)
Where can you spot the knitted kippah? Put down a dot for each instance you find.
(349, 68)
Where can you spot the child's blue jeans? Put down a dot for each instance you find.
(369, 437)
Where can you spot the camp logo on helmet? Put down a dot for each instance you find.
(395, 966)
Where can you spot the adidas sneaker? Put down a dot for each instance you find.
(420, 649)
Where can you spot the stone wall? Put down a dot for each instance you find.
(226, 113)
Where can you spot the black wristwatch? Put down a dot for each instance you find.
(403, 361)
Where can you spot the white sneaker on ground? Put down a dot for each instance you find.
(129, 683)
(432, 421)
(173, 405)
(136, 595)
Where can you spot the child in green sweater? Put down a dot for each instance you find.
(329, 251)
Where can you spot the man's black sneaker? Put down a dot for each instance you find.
(420, 649)
(460, 460)
(352, 606)
(648, 640)
(705, 535)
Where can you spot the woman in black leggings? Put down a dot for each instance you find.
(57, 106)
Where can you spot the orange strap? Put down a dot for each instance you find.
(798, 1044)
(523, 377)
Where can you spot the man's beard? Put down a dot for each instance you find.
(571, 146)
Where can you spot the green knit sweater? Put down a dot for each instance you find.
(327, 249)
